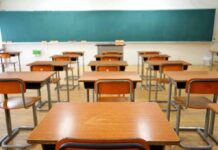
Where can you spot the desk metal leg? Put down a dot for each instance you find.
(138, 64)
(49, 95)
(78, 72)
(83, 63)
(212, 59)
(3, 67)
(169, 100)
(67, 80)
(149, 86)
(87, 94)
(19, 63)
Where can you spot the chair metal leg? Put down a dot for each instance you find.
(35, 121)
(201, 131)
(178, 118)
(12, 133)
(58, 91)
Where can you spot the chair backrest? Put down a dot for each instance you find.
(108, 68)
(171, 67)
(113, 86)
(12, 86)
(110, 58)
(201, 86)
(5, 55)
(61, 58)
(71, 144)
(157, 58)
(42, 68)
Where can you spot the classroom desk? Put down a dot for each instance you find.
(89, 78)
(121, 64)
(74, 58)
(180, 78)
(100, 56)
(12, 54)
(213, 52)
(81, 53)
(33, 80)
(140, 53)
(58, 66)
(114, 120)
(145, 58)
(156, 65)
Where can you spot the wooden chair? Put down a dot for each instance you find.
(196, 86)
(214, 110)
(65, 58)
(114, 87)
(123, 144)
(108, 68)
(151, 52)
(6, 60)
(15, 86)
(70, 53)
(163, 80)
(54, 80)
(110, 58)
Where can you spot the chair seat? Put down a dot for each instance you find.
(9, 63)
(162, 80)
(113, 99)
(55, 80)
(196, 102)
(213, 107)
(17, 102)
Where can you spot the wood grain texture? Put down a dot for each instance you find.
(99, 121)
(108, 63)
(94, 76)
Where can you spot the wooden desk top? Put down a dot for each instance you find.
(67, 55)
(12, 52)
(163, 62)
(152, 55)
(94, 76)
(108, 63)
(33, 77)
(105, 121)
(108, 55)
(183, 76)
(144, 52)
(53, 63)
(214, 51)
(81, 53)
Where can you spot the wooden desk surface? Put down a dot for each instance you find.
(183, 76)
(162, 62)
(108, 55)
(144, 52)
(81, 53)
(12, 52)
(214, 51)
(152, 55)
(53, 63)
(108, 63)
(67, 55)
(105, 121)
(33, 77)
(94, 76)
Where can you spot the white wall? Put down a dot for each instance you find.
(192, 52)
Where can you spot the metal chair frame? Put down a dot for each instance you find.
(203, 132)
(4, 64)
(131, 97)
(11, 133)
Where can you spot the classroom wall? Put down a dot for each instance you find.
(193, 52)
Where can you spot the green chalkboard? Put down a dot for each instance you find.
(151, 25)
